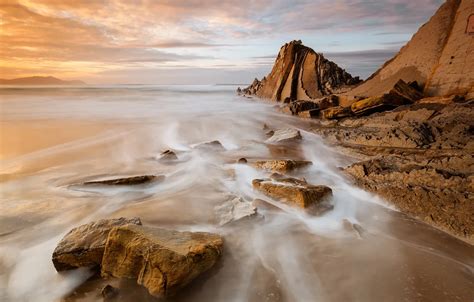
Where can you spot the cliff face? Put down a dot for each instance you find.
(438, 57)
(299, 73)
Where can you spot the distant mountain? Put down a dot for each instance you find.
(39, 81)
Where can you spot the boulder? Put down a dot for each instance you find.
(213, 145)
(336, 113)
(84, 246)
(109, 292)
(235, 209)
(281, 165)
(242, 160)
(127, 181)
(161, 260)
(299, 193)
(378, 104)
(168, 155)
(406, 91)
(313, 113)
(284, 135)
(328, 102)
(298, 106)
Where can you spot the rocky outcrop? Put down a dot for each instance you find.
(438, 57)
(293, 191)
(210, 146)
(281, 165)
(418, 156)
(439, 189)
(168, 156)
(299, 73)
(84, 246)
(161, 260)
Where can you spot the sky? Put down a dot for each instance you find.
(196, 41)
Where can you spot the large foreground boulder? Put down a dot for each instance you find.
(161, 260)
(84, 246)
(293, 191)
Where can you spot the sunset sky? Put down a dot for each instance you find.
(196, 41)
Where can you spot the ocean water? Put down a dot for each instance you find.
(54, 138)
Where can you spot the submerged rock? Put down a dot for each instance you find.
(281, 165)
(161, 260)
(235, 209)
(168, 155)
(284, 135)
(294, 192)
(127, 181)
(109, 292)
(213, 145)
(84, 246)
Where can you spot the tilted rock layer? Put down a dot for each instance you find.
(439, 57)
(299, 73)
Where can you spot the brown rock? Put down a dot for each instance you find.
(84, 246)
(377, 104)
(168, 155)
(304, 196)
(161, 260)
(309, 113)
(242, 160)
(299, 73)
(299, 106)
(336, 112)
(127, 181)
(281, 165)
(109, 292)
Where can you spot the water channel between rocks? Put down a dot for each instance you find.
(53, 138)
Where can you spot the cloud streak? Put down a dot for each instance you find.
(81, 38)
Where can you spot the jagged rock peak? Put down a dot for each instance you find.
(301, 73)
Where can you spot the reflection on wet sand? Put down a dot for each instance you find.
(359, 251)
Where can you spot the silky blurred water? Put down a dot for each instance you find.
(54, 138)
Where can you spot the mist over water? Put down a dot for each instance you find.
(54, 139)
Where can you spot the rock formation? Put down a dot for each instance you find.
(438, 57)
(299, 73)
(281, 165)
(161, 260)
(84, 246)
(293, 191)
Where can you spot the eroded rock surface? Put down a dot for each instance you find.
(84, 246)
(293, 191)
(299, 73)
(281, 165)
(161, 260)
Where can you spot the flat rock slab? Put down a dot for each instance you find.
(284, 135)
(235, 209)
(281, 165)
(294, 192)
(161, 260)
(84, 246)
(127, 181)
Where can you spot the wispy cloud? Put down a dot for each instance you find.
(80, 38)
